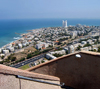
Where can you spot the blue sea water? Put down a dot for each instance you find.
(9, 27)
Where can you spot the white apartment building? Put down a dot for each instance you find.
(58, 52)
(48, 56)
(83, 42)
(85, 49)
(42, 45)
(5, 51)
(71, 49)
(10, 49)
(20, 45)
(73, 34)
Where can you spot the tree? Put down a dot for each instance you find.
(86, 45)
(29, 56)
(39, 49)
(1, 62)
(50, 58)
(78, 48)
(66, 51)
(42, 61)
(94, 50)
(2, 57)
(59, 43)
(57, 55)
(13, 58)
(98, 49)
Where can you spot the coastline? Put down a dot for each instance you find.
(26, 33)
(22, 26)
(12, 41)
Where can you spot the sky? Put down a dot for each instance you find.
(27, 9)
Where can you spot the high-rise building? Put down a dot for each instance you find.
(64, 23)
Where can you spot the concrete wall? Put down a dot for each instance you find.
(11, 82)
(8, 79)
(79, 73)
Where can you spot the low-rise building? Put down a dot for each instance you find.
(84, 42)
(36, 39)
(73, 34)
(71, 49)
(89, 41)
(50, 56)
(24, 44)
(42, 45)
(20, 45)
(10, 49)
(94, 46)
(89, 48)
(59, 52)
(15, 47)
(2, 55)
(94, 40)
(66, 49)
(0, 50)
(95, 49)
(5, 51)
(85, 49)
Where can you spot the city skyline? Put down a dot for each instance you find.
(23, 9)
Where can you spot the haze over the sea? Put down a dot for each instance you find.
(24, 10)
(9, 27)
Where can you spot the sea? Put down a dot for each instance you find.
(8, 28)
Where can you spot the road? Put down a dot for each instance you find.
(28, 61)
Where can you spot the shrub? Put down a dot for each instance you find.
(86, 45)
(13, 58)
(29, 56)
(1, 62)
(57, 55)
(2, 57)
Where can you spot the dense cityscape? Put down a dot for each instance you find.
(51, 42)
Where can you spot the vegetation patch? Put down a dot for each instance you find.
(24, 67)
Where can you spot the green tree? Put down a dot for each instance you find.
(86, 45)
(57, 55)
(2, 57)
(13, 58)
(98, 49)
(78, 48)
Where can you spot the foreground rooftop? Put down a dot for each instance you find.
(79, 72)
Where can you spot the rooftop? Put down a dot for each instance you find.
(77, 72)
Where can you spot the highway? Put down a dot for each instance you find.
(28, 61)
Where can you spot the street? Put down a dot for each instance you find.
(28, 61)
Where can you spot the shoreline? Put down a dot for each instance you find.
(40, 23)
(20, 37)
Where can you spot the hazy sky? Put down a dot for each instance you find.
(20, 9)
